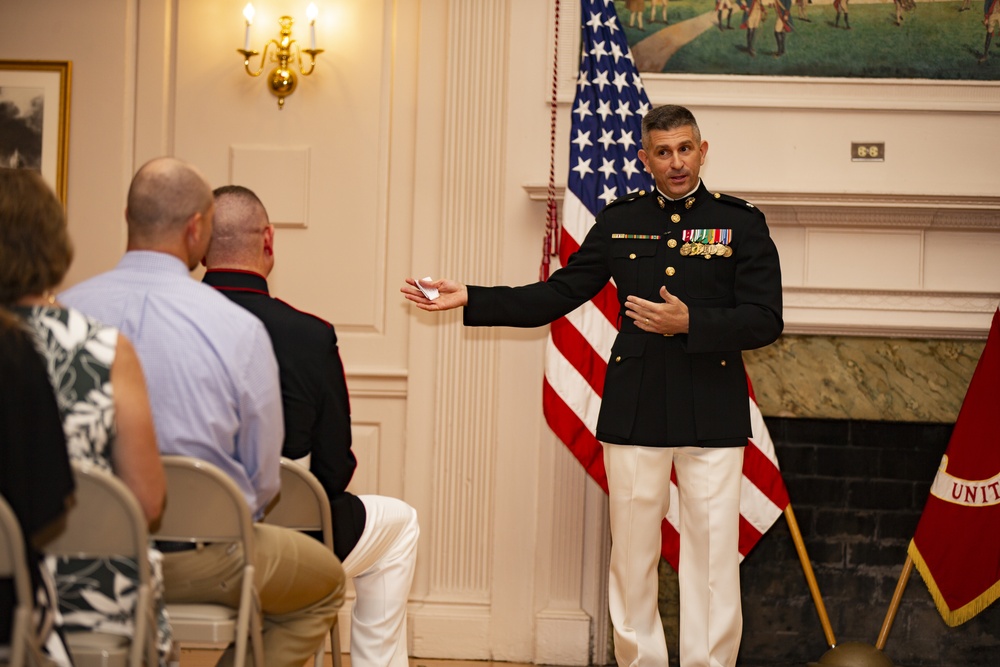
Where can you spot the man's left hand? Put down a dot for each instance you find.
(667, 318)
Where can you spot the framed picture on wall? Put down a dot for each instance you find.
(34, 118)
(940, 56)
(897, 39)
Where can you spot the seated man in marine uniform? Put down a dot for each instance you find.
(374, 536)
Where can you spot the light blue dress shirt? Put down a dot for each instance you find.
(209, 366)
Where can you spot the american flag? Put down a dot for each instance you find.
(605, 138)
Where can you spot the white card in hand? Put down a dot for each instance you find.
(430, 292)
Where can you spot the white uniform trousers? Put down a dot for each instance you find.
(711, 616)
(381, 566)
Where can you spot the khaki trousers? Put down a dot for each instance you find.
(299, 580)
(711, 617)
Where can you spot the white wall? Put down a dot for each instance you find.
(98, 37)
(418, 147)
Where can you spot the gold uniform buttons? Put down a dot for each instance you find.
(671, 271)
(676, 217)
(672, 243)
(723, 362)
(618, 359)
(717, 195)
(631, 256)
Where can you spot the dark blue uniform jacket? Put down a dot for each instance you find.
(665, 391)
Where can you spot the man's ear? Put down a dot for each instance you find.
(195, 241)
(269, 241)
(193, 229)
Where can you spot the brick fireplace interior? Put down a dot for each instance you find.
(859, 426)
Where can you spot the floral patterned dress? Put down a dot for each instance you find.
(97, 595)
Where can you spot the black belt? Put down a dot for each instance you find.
(168, 546)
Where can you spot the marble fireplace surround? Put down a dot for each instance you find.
(888, 300)
(863, 378)
(899, 354)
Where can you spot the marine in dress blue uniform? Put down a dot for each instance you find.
(698, 281)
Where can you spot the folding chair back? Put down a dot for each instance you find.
(303, 505)
(14, 566)
(106, 521)
(205, 506)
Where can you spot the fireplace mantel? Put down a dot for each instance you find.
(882, 265)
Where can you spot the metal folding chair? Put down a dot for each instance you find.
(13, 566)
(205, 505)
(106, 521)
(303, 505)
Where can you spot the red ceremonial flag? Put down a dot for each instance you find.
(956, 547)
(604, 142)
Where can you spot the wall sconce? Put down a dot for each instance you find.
(282, 80)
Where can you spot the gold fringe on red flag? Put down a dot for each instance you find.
(952, 617)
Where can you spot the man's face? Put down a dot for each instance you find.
(674, 158)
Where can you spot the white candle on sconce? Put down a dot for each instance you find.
(248, 13)
(312, 12)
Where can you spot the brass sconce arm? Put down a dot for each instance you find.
(247, 55)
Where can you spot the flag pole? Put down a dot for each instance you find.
(800, 548)
(855, 654)
(860, 654)
(897, 596)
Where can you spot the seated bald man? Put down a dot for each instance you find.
(374, 536)
(215, 395)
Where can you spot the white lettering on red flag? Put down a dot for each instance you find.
(604, 141)
(971, 493)
(956, 547)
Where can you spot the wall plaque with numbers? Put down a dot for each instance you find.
(867, 152)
